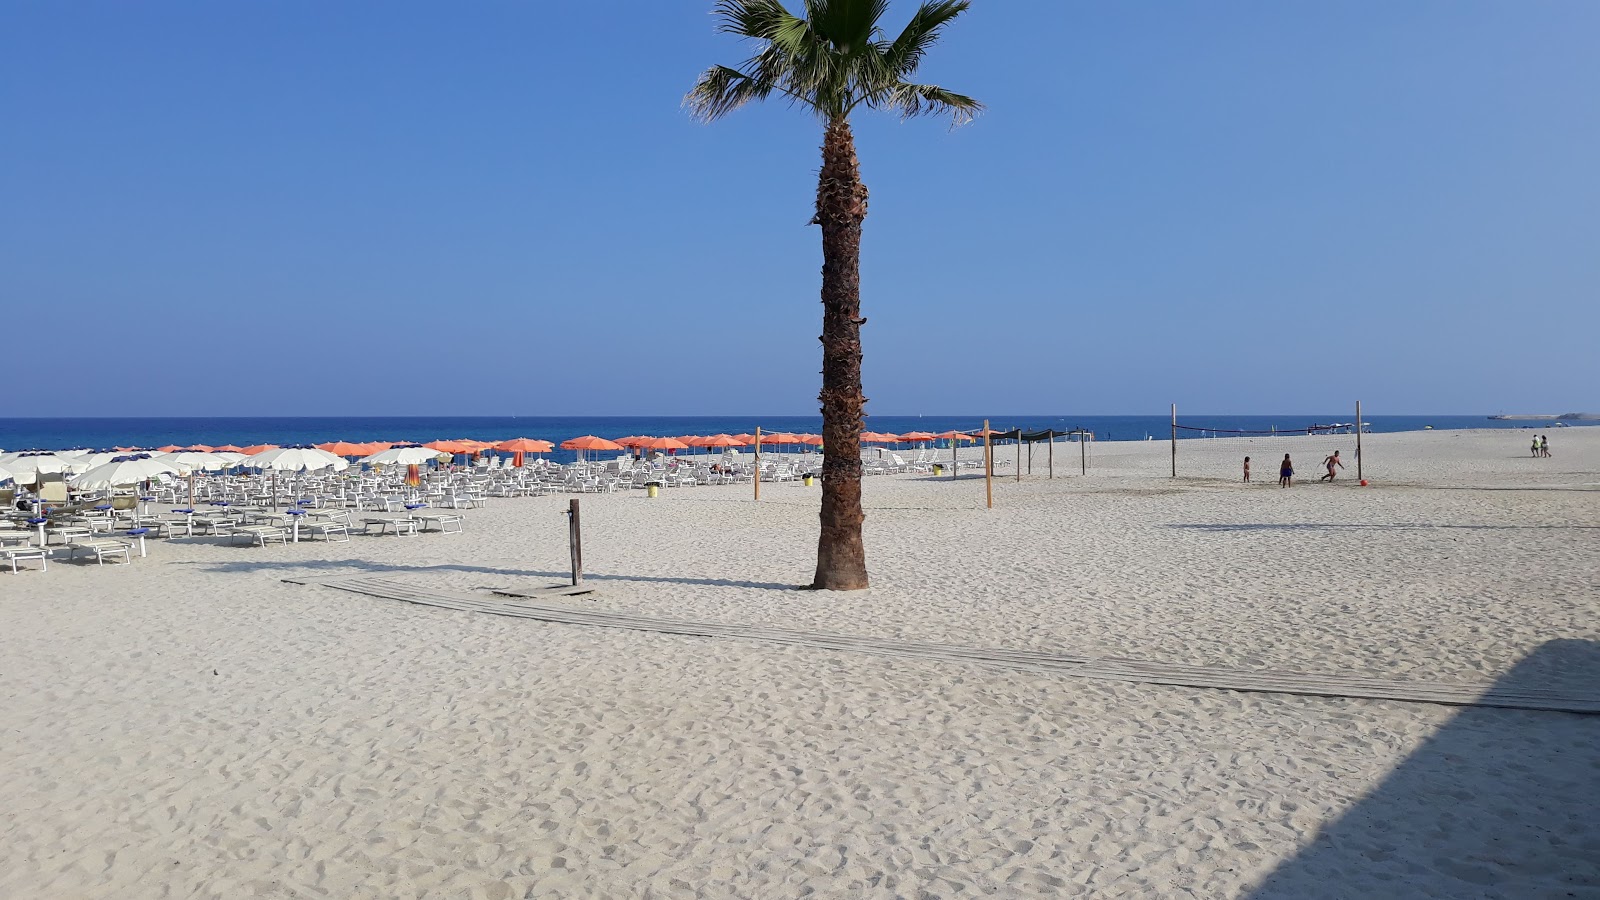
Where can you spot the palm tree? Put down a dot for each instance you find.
(832, 61)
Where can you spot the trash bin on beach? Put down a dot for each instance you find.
(652, 489)
(809, 479)
(938, 469)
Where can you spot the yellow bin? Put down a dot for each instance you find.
(652, 489)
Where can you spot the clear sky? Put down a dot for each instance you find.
(365, 208)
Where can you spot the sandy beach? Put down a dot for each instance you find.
(190, 725)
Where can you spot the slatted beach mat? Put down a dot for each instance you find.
(523, 605)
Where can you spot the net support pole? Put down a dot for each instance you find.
(1019, 454)
(1083, 455)
(1050, 455)
(1358, 440)
(1174, 440)
(954, 460)
(988, 467)
(757, 479)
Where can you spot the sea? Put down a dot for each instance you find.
(104, 433)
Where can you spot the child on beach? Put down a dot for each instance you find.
(1544, 445)
(1247, 468)
(1286, 472)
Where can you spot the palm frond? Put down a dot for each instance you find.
(912, 100)
(750, 18)
(849, 25)
(904, 55)
(721, 90)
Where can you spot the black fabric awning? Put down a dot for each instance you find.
(1017, 434)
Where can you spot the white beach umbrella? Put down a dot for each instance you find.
(185, 460)
(5, 474)
(122, 471)
(402, 456)
(25, 467)
(297, 459)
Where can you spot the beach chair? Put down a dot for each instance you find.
(260, 534)
(448, 523)
(401, 525)
(13, 554)
(101, 549)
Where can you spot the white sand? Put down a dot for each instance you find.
(190, 726)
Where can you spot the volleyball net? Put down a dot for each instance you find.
(1202, 451)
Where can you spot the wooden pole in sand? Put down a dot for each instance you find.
(1174, 440)
(575, 538)
(988, 466)
(1083, 458)
(954, 461)
(191, 484)
(1358, 441)
(1052, 453)
(757, 478)
(1019, 454)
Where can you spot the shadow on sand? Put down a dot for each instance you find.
(1496, 804)
(341, 566)
(1319, 526)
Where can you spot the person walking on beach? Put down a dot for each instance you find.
(1286, 472)
(1330, 462)
(1536, 445)
(1544, 445)
(1247, 469)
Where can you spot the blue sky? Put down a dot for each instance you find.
(308, 208)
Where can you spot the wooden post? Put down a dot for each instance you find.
(274, 489)
(1030, 456)
(954, 459)
(191, 488)
(988, 466)
(1174, 440)
(1019, 455)
(1358, 441)
(575, 538)
(1083, 457)
(1051, 456)
(757, 478)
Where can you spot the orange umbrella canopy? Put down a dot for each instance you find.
(447, 446)
(813, 440)
(589, 442)
(525, 445)
(955, 436)
(475, 446)
(371, 447)
(343, 448)
(721, 440)
(632, 440)
(170, 448)
(663, 443)
(916, 436)
(258, 448)
(745, 440)
(878, 437)
(200, 448)
(692, 440)
(227, 448)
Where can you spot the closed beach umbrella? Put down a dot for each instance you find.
(413, 475)
(297, 459)
(123, 471)
(404, 455)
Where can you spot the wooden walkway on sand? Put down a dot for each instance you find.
(1344, 684)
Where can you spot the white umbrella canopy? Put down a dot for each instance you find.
(99, 457)
(121, 472)
(5, 474)
(25, 466)
(402, 456)
(185, 460)
(296, 459)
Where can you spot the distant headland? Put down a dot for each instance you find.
(1584, 417)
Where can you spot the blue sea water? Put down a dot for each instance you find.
(99, 433)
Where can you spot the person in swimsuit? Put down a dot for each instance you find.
(1544, 445)
(1330, 462)
(1286, 472)
(1247, 468)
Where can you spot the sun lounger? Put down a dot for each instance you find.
(12, 554)
(328, 530)
(260, 534)
(445, 523)
(402, 525)
(101, 549)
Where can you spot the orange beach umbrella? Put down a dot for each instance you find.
(227, 448)
(170, 448)
(343, 448)
(525, 445)
(258, 448)
(721, 440)
(589, 442)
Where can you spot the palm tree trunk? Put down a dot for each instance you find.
(841, 207)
